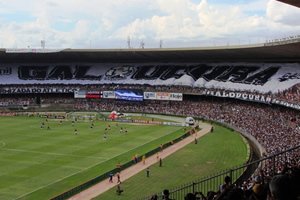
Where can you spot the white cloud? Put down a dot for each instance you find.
(78, 23)
(283, 13)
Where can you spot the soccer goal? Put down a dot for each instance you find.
(82, 116)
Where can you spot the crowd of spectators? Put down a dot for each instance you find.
(290, 95)
(8, 101)
(56, 100)
(284, 185)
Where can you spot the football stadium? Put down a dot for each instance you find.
(206, 123)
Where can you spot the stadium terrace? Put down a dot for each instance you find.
(75, 117)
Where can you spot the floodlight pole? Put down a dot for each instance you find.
(142, 44)
(160, 43)
(43, 44)
(128, 42)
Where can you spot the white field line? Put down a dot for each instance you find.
(52, 154)
(58, 180)
(44, 164)
(3, 144)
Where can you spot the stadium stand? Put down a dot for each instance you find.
(258, 98)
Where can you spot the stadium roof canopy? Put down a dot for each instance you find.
(292, 2)
(282, 50)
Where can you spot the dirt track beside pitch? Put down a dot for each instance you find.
(105, 185)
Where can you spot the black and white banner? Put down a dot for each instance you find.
(250, 97)
(35, 90)
(5, 71)
(264, 78)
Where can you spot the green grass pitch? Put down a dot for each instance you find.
(38, 163)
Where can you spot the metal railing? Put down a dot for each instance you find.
(238, 175)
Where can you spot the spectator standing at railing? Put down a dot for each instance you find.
(166, 194)
(226, 186)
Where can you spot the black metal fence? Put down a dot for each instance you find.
(237, 174)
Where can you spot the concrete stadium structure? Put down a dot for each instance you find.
(281, 50)
(291, 2)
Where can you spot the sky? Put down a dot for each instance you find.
(145, 23)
